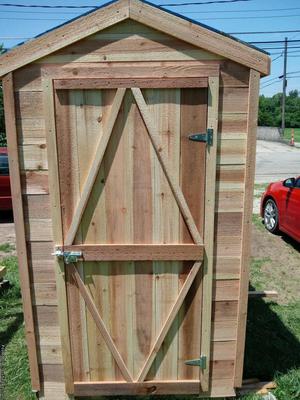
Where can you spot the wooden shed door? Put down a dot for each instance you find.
(132, 191)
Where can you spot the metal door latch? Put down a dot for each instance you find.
(68, 256)
(199, 362)
(203, 137)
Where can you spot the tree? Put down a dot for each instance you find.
(2, 123)
(269, 113)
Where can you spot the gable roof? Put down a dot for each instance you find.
(148, 14)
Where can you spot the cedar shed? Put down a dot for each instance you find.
(131, 134)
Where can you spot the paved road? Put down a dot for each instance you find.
(275, 161)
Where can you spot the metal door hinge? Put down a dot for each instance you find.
(203, 137)
(199, 362)
(68, 256)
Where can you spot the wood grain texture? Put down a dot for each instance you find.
(247, 222)
(212, 122)
(14, 167)
(138, 252)
(150, 388)
(54, 190)
(89, 83)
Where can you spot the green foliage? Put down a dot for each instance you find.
(269, 113)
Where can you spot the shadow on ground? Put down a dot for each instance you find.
(271, 348)
(6, 217)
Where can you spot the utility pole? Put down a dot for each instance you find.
(284, 85)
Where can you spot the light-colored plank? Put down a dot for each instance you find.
(89, 83)
(100, 324)
(10, 120)
(151, 387)
(212, 122)
(247, 222)
(132, 70)
(54, 189)
(90, 180)
(34, 182)
(193, 155)
(160, 151)
(138, 252)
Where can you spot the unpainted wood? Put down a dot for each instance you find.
(247, 223)
(138, 252)
(54, 185)
(10, 122)
(114, 83)
(212, 123)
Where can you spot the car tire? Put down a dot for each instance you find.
(271, 217)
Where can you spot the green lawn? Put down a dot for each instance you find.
(287, 134)
(272, 345)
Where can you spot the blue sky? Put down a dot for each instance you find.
(28, 22)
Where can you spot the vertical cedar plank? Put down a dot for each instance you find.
(247, 222)
(54, 189)
(193, 119)
(96, 274)
(12, 144)
(118, 198)
(166, 216)
(67, 150)
(143, 328)
(212, 122)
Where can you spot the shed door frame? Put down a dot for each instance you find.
(81, 389)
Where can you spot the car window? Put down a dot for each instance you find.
(297, 184)
(4, 170)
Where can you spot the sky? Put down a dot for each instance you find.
(19, 23)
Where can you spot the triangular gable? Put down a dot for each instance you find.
(145, 13)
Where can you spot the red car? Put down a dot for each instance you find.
(280, 207)
(5, 194)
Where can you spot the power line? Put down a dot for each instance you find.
(245, 17)
(276, 41)
(262, 32)
(202, 19)
(241, 11)
(280, 48)
(293, 72)
(93, 6)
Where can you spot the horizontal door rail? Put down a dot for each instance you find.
(137, 252)
(114, 83)
(136, 388)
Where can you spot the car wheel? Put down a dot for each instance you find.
(271, 219)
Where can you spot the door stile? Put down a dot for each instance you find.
(209, 223)
(54, 190)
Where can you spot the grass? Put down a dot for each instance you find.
(257, 221)
(272, 345)
(6, 247)
(288, 132)
(15, 365)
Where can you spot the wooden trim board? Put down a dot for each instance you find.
(15, 182)
(144, 13)
(54, 189)
(210, 186)
(138, 252)
(147, 388)
(247, 224)
(114, 83)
